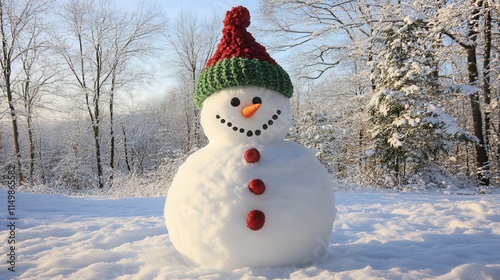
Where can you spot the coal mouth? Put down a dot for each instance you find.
(249, 132)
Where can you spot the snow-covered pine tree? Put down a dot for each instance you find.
(409, 129)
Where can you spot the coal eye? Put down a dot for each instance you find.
(235, 102)
(257, 100)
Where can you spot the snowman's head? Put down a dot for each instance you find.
(247, 114)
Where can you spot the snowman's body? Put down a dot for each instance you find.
(209, 200)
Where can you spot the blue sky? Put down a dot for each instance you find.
(200, 7)
(208, 7)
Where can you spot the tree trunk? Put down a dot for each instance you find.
(370, 62)
(96, 122)
(487, 69)
(29, 121)
(15, 129)
(31, 138)
(125, 148)
(6, 65)
(111, 130)
(396, 170)
(498, 125)
(486, 73)
(189, 121)
(482, 161)
(93, 110)
(477, 120)
(1, 143)
(95, 129)
(40, 159)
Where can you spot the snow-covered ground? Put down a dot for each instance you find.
(377, 235)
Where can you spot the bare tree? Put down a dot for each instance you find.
(99, 46)
(132, 36)
(85, 61)
(15, 19)
(322, 29)
(35, 80)
(193, 42)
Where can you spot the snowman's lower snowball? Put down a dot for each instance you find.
(209, 202)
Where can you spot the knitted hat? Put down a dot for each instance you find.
(240, 61)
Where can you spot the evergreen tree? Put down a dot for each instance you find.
(409, 129)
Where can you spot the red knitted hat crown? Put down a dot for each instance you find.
(236, 41)
(240, 61)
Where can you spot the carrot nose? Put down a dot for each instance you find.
(249, 110)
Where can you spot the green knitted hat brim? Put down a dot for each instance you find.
(238, 71)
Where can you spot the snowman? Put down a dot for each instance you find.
(248, 198)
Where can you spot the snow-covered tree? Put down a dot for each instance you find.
(17, 21)
(409, 129)
(314, 131)
(104, 48)
(192, 43)
(467, 32)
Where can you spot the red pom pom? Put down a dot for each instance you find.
(255, 219)
(239, 17)
(252, 155)
(257, 186)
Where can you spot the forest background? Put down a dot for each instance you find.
(96, 96)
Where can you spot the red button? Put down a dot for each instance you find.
(255, 219)
(257, 186)
(252, 155)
